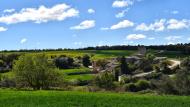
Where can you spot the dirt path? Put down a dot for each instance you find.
(175, 63)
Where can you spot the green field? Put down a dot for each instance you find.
(80, 76)
(96, 54)
(10, 98)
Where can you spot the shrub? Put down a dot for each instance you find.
(86, 61)
(183, 81)
(164, 68)
(124, 66)
(64, 62)
(130, 87)
(7, 82)
(164, 85)
(104, 80)
(153, 75)
(142, 85)
(36, 72)
(125, 79)
(2, 63)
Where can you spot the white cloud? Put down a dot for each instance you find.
(122, 24)
(178, 24)
(173, 38)
(2, 29)
(135, 36)
(24, 40)
(87, 24)
(156, 26)
(58, 12)
(175, 12)
(8, 10)
(122, 13)
(122, 3)
(91, 11)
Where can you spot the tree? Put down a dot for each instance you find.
(105, 80)
(36, 72)
(164, 68)
(1, 63)
(86, 61)
(150, 57)
(183, 78)
(64, 62)
(124, 66)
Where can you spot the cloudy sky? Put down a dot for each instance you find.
(31, 24)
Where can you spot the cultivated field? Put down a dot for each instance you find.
(85, 99)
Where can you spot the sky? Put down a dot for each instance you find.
(42, 24)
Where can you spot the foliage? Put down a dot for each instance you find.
(105, 80)
(124, 66)
(36, 72)
(86, 60)
(142, 85)
(64, 62)
(101, 63)
(150, 57)
(165, 85)
(164, 67)
(125, 79)
(2, 63)
(183, 81)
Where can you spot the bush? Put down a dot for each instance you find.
(164, 67)
(2, 63)
(182, 81)
(164, 86)
(36, 71)
(124, 66)
(7, 82)
(153, 75)
(142, 85)
(130, 87)
(86, 61)
(64, 62)
(104, 80)
(125, 79)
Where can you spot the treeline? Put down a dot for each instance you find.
(184, 48)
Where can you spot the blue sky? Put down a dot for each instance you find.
(38, 24)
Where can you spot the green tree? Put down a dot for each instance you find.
(1, 63)
(36, 71)
(124, 66)
(86, 60)
(105, 80)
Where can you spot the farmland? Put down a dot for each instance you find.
(10, 98)
(78, 88)
(96, 54)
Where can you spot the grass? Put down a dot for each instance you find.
(78, 74)
(10, 98)
(169, 54)
(82, 77)
(8, 74)
(79, 70)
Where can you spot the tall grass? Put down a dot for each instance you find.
(9, 98)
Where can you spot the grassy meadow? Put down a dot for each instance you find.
(10, 98)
